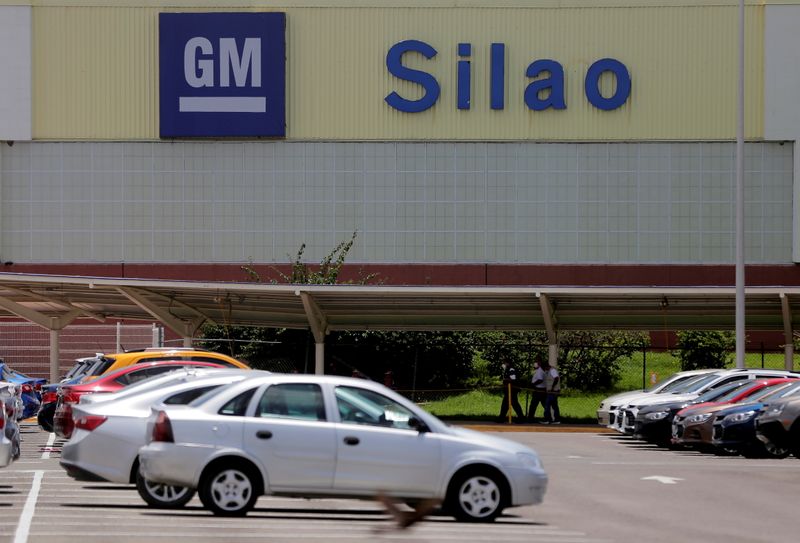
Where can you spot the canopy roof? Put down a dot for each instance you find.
(55, 301)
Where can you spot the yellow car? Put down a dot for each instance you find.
(104, 363)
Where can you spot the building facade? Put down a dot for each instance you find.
(511, 142)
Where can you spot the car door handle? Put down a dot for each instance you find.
(349, 440)
(263, 434)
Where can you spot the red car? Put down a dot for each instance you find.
(111, 382)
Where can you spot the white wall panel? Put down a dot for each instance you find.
(409, 202)
(15, 73)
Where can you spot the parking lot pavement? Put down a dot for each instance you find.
(603, 488)
(64, 510)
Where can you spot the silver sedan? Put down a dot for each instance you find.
(110, 428)
(324, 436)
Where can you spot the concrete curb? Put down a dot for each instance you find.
(558, 428)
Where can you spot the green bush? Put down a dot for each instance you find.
(699, 349)
(590, 361)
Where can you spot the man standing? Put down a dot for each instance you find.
(510, 393)
(552, 383)
(539, 390)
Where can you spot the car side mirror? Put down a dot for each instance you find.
(418, 425)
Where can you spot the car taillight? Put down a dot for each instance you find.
(27, 389)
(72, 397)
(162, 430)
(89, 422)
(49, 397)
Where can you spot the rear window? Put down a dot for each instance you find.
(188, 396)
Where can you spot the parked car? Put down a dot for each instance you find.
(110, 430)
(82, 368)
(63, 422)
(778, 425)
(113, 362)
(325, 436)
(694, 424)
(654, 422)
(608, 410)
(10, 403)
(734, 428)
(88, 368)
(30, 388)
(694, 389)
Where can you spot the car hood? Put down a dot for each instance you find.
(680, 404)
(617, 398)
(739, 407)
(488, 440)
(706, 407)
(659, 399)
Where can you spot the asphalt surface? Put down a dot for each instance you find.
(603, 488)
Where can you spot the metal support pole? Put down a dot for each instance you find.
(119, 337)
(740, 303)
(319, 358)
(55, 370)
(552, 355)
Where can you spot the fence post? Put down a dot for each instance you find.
(644, 367)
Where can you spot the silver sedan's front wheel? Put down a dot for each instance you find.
(229, 491)
(476, 497)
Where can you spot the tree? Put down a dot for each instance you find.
(590, 361)
(281, 349)
(698, 349)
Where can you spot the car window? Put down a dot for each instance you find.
(237, 406)
(292, 400)
(362, 406)
(142, 374)
(186, 396)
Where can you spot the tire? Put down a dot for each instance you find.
(229, 490)
(163, 496)
(476, 496)
(772, 450)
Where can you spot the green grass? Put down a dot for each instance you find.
(575, 406)
(482, 405)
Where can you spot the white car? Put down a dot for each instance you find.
(627, 417)
(609, 407)
(324, 436)
(11, 406)
(6, 447)
(110, 429)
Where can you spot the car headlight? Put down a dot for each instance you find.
(529, 460)
(697, 419)
(658, 415)
(741, 417)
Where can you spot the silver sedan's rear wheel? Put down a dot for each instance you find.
(476, 497)
(161, 495)
(229, 491)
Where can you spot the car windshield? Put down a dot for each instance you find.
(723, 393)
(695, 385)
(666, 388)
(773, 392)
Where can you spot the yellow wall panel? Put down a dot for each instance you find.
(96, 71)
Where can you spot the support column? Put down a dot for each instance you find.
(552, 355)
(550, 325)
(788, 336)
(55, 370)
(319, 358)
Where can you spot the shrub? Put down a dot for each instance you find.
(699, 349)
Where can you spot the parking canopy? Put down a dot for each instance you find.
(54, 301)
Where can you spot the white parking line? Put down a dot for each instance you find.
(50, 440)
(25, 519)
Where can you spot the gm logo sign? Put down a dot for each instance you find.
(222, 74)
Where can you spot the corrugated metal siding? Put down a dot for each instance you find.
(104, 61)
